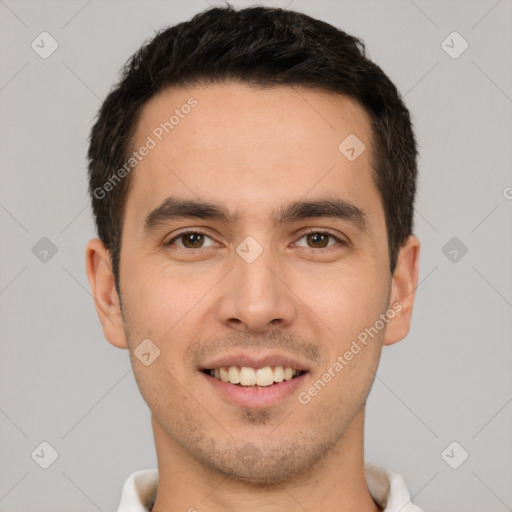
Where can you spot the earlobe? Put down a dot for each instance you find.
(106, 300)
(403, 290)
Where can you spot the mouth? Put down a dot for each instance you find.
(253, 380)
(249, 377)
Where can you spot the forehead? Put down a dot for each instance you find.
(250, 148)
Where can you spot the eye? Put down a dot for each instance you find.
(191, 240)
(320, 239)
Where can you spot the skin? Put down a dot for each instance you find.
(253, 150)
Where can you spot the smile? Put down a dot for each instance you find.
(245, 376)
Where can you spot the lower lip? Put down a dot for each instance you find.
(255, 397)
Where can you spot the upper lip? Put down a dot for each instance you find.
(254, 361)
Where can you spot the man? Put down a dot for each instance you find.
(252, 179)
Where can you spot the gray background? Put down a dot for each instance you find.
(450, 380)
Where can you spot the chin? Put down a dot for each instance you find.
(264, 467)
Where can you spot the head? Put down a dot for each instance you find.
(296, 249)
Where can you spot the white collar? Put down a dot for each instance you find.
(386, 487)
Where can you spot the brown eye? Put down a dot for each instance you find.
(194, 239)
(319, 239)
(190, 240)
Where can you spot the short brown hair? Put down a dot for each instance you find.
(264, 47)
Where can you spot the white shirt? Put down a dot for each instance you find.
(386, 487)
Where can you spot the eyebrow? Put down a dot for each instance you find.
(175, 208)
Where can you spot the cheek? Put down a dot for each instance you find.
(163, 390)
(162, 305)
(350, 305)
(157, 298)
(347, 300)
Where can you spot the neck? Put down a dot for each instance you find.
(336, 482)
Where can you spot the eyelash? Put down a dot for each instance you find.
(196, 232)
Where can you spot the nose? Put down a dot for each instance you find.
(255, 296)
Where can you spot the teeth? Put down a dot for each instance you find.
(264, 376)
(288, 373)
(246, 376)
(224, 375)
(278, 374)
(234, 375)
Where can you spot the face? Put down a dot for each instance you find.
(258, 288)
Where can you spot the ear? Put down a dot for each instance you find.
(106, 299)
(403, 290)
